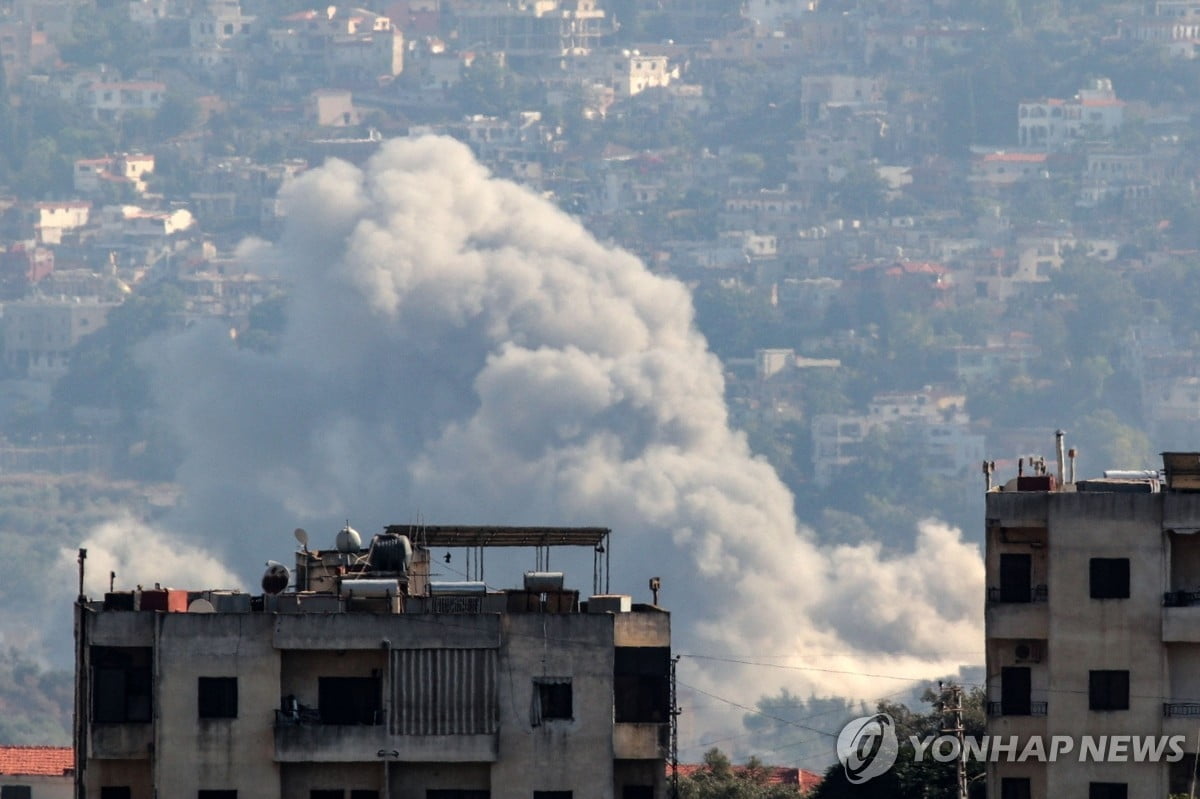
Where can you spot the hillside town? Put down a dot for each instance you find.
(903, 227)
(841, 184)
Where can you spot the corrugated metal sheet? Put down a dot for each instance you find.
(443, 691)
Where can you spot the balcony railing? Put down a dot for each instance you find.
(1181, 599)
(307, 716)
(996, 709)
(1181, 709)
(1038, 593)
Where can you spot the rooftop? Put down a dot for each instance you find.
(41, 761)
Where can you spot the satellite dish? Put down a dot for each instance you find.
(201, 606)
(301, 536)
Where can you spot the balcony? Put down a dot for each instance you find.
(1038, 593)
(128, 741)
(997, 709)
(640, 741)
(300, 737)
(1025, 616)
(1181, 710)
(1180, 617)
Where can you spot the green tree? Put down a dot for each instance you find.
(486, 87)
(861, 194)
(103, 370)
(910, 779)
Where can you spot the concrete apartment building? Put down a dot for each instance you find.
(366, 677)
(1093, 624)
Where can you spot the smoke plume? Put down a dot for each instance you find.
(458, 348)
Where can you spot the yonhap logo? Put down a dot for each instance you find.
(867, 747)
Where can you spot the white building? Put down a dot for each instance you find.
(370, 679)
(1056, 124)
(37, 772)
(110, 100)
(1093, 625)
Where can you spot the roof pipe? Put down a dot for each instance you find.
(1060, 451)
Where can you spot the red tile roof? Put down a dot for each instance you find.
(802, 779)
(48, 761)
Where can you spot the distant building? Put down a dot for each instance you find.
(37, 772)
(369, 678)
(1056, 124)
(39, 335)
(110, 100)
(531, 34)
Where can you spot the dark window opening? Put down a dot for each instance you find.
(1108, 690)
(551, 795)
(1108, 790)
(456, 793)
(642, 684)
(552, 699)
(121, 685)
(1015, 689)
(216, 794)
(1015, 788)
(1016, 584)
(217, 697)
(349, 700)
(16, 792)
(1110, 578)
(115, 792)
(637, 792)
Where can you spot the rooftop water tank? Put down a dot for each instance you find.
(348, 540)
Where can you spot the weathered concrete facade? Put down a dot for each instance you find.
(1093, 629)
(351, 701)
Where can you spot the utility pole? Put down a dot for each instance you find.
(675, 711)
(953, 708)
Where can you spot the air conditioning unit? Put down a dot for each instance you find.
(1028, 651)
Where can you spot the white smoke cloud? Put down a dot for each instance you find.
(140, 554)
(457, 347)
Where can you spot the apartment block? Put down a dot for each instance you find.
(359, 675)
(1093, 625)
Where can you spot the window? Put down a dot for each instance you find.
(349, 700)
(1015, 788)
(637, 792)
(1108, 690)
(217, 697)
(16, 792)
(216, 794)
(121, 685)
(1110, 578)
(1015, 578)
(1015, 689)
(551, 699)
(551, 795)
(1108, 790)
(113, 792)
(642, 684)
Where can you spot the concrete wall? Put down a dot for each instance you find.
(236, 754)
(559, 755)
(40, 786)
(1085, 634)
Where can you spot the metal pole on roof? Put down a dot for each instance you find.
(607, 555)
